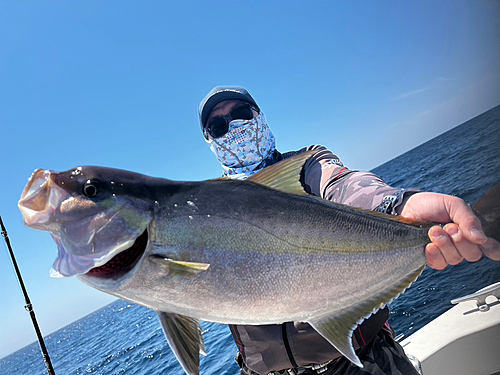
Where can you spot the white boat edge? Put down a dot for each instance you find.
(464, 340)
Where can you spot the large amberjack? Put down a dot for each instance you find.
(259, 251)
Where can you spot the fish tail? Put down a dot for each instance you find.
(487, 208)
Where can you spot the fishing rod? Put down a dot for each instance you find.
(28, 307)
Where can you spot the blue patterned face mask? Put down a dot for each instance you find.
(244, 147)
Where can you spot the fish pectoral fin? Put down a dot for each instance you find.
(338, 329)
(179, 267)
(185, 339)
(285, 175)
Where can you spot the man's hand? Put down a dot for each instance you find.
(461, 238)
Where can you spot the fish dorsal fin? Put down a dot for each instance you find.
(179, 267)
(185, 339)
(284, 176)
(338, 329)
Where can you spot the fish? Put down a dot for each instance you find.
(251, 252)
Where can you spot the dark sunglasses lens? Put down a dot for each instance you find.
(217, 127)
(242, 113)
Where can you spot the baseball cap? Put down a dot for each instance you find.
(220, 94)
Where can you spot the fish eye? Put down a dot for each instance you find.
(90, 189)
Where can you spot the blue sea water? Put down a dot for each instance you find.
(123, 338)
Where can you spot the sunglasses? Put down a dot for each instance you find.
(218, 126)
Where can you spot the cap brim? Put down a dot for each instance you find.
(221, 96)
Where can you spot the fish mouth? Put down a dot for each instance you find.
(40, 200)
(122, 262)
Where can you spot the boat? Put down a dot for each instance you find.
(464, 340)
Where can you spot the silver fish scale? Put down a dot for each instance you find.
(272, 272)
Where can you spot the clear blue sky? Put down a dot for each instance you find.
(117, 83)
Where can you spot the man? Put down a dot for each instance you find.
(237, 132)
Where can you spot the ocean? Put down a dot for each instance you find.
(123, 338)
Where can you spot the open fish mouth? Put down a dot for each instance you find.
(97, 236)
(40, 200)
(122, 262)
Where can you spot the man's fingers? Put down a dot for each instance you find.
(462, 238)
(434, 257)
(445, 245)
(470, 251)
(491, 249)
(470, 225)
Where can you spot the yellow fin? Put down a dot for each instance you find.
(179, 267)
(338, 329)
(185, 339)
(284, 176)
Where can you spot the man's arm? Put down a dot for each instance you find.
(326, 176)
(461, 238)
